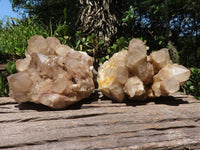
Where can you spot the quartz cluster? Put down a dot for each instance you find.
(52, 74)
(140, 76)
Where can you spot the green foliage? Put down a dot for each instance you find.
(163, 21)
(158, 22)
(85, 43)
(62, 33)
(91, 44)
(192, 86)
(48, 10)
(118, 46)
(97, 48)
(1, 24)
(14, 36)
(10, 69)
(129, 15)
(189, 51)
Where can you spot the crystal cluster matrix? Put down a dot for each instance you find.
(140, 76)
(52, 74)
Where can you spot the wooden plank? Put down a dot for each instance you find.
(98, 123)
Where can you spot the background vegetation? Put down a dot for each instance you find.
(104, 27)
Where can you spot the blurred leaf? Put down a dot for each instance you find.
(11, 67)
(192, 86)
(65, 13)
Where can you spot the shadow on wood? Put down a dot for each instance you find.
(165, 100)
(39, 107)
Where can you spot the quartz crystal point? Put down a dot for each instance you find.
(160, 58)
(137, 55)
(169, 79)
(134, 87)
(137, 62)
(52, 74)
(112, 76)
(139, 76)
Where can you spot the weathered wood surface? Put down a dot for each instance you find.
(162, 123)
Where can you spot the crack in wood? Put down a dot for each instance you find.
(64, 118)
(173, 127)
(178, 119)
(7, 121)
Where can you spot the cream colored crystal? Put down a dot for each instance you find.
(116, 92)
(52, 74)
(137, 55)
(37, 44)
(134, 87)
(63, 50)
(137, 61)
(145, 72)
(20, 82)
(178, 72)
(112, 75)
(170, 78)
(169, 85)
(53, 42)
(156, 89)
(22, 64)
(145, 76)
(160, 58)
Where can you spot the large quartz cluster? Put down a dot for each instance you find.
(52, 74)
(139, 76)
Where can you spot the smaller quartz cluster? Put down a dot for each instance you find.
(139, 76)
(52, 74)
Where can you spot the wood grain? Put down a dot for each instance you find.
(97, 123)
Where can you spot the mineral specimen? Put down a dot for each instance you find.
(52, 74)
(112, 80)
(139, 76)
